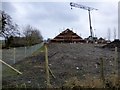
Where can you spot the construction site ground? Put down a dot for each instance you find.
(66, 61)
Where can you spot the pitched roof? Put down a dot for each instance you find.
(67, 36)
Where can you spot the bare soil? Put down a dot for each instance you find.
(113, 44)
(66, 61)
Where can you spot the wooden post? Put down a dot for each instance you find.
(10, 67)
(14, 54)
(116, 61)
(23, 85)
(102, 71)
(46, 66)
(116, 65)
(51, 72)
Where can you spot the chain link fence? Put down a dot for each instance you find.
(0, 66)
(13, 55)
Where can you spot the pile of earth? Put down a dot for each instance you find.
(115, 43)
(65, 61)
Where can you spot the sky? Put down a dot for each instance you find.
(52, 17)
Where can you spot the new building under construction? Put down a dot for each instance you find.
(67, 36)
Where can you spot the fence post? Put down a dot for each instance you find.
(116, 65)
(14, 54)
(10, 66)
(25, 51)
(102, 71)
(46, 66)
(30, 50)
(116, 61)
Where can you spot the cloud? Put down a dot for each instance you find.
(8, 6)
(54, 12)
(51, 17)
(59, 0)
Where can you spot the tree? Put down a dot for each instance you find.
(109, 34)
(7, 27)
(114, 33)
(0, 22)
(33, 35)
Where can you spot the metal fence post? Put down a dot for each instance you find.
(30, 50)
(25, 51)
(14, 53)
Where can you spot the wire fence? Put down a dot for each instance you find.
(0, 67)
(13, 55)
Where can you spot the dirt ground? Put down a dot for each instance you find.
(66, 61)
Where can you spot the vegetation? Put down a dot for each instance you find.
(10, 32)
(42, 49)
(67, 75)
(7, 28)
(91, 82)
(32, 35)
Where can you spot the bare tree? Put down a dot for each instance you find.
(0, 21)
(7, 27)
(33, 35)
(114, 33)
(109, 34)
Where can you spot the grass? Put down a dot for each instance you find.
(90, 82)
(6, 71)
(42, 49)
(74, 82)
(87, 83)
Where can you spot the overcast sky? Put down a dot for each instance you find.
(53, 17)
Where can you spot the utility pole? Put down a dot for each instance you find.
(89, 9)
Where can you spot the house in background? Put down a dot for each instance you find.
(67, 36)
